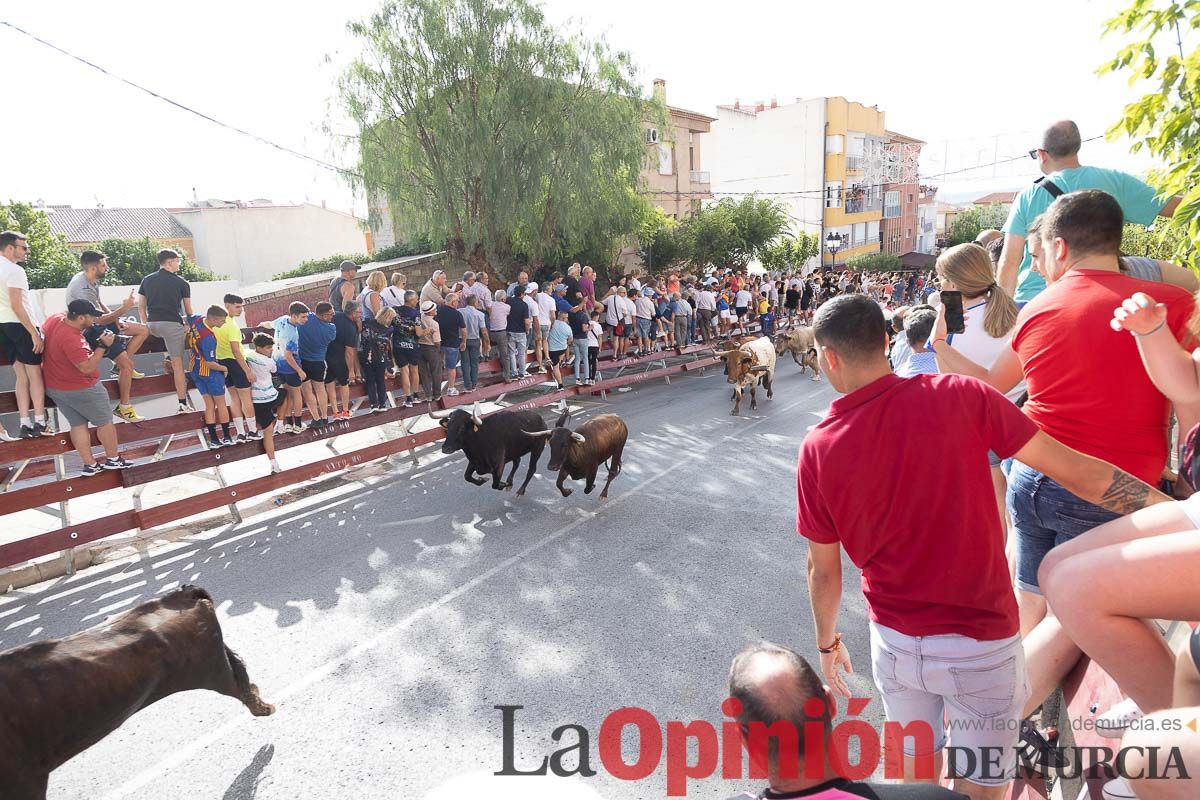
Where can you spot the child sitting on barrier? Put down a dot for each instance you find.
(266, 398)
(208, 374)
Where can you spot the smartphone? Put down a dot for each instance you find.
(954, 312)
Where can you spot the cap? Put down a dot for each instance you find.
(80, 307)
(648, 292)
(428, 306)
(531, 287)
(348, 265)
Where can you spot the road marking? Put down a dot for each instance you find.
(318, 674)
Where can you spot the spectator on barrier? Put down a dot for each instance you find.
(558, 341)
(681, 313)
(208, 374)
(406, 348)
(971, 621)
(287, 363)
(498, 332)
(434, 289)
(587, 286)
(918, 327)
(579, 321)
(161, 295)
(1058, 160)
(766, 322)
(478, 345)
(594, 337)
(577, 291)
(315, 335)
(429, 350)
(393, 295)
(900, 351)
(706, 310)
(547, 313)
(475, 285)
(517, 287)
(341, 359)
(375, 355)
(131, 335)
(537, 332)
(519, 326)
(774, 686)
(21, 335)
(643, 318)
(72, 373)
(237, 376)
(268, 402)
(453, 329)
(371, 298)
(344, 287)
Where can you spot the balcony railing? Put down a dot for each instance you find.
(854, 162)
(857, 205)
(700, 177)
(891, 212)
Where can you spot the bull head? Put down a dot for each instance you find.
(443, 416)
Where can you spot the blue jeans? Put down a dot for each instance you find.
(470, 365)
(580, 349)
(1045, 515)
(516, 354)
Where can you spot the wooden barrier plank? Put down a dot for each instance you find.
(66, 489)
(63, 538)
(127, 432)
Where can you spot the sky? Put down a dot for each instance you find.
(976, 81)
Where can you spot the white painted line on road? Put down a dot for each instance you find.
(318, 674)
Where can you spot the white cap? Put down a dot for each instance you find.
(531, 287)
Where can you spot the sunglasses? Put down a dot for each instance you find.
(1033, 153)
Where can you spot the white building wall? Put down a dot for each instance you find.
(927, 218)
(251, 244)
(776, 150)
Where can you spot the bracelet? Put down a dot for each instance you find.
(833, 648)
(1148, 333)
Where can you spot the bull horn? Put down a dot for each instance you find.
(441, 414)
(478, 420)
(578, 437)
(759, 368)
(537, 433)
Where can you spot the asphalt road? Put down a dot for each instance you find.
(388, 617)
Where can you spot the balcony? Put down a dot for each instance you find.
(858, 205)
(854, 163)
(699, 177)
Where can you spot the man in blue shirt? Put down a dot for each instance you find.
(1058, 159)
(315, 335)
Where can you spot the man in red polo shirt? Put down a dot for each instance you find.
(944, 633)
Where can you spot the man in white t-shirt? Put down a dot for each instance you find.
(706, 309)
(21, 336)
(537, 334)
(614, 318)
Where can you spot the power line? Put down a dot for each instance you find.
(180, 106)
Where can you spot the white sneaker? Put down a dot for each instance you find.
(1118, 789)
(1113, 723)
(452, 392)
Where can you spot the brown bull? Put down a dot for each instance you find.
(61, 696)
(802, 344)
(746, 367)
(580, 453)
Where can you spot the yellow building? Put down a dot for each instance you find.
(855, 172)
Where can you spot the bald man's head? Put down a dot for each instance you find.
(1062, 139)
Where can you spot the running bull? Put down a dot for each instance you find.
(580, 453)
(489, 444)
(61, 696)
(802, 344)
(746, 367)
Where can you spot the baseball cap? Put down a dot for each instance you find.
(348, 265)
(560, 287)
(531, 287)
(80, 307)
(428, 306)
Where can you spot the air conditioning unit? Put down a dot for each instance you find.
(652, 136)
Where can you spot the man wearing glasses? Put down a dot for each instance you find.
(1058, 160)
(21, 335)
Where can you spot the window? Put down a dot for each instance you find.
(833, 194)
(833, 144)
(908, 234)
(891, 205)
(910, 197)
(872, 231)
(691, 158)
(665, 167)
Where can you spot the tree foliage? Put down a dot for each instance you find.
(790, 252)
(50, 262)
(1163, 241)
(727, 234)
(875, 262)
(483, 126)
(130, 260)
(1166, 121)
(969, 223)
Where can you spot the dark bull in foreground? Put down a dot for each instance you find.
(491, 443)
(580, 453)
(61, 696)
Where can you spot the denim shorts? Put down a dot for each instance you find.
(453, 355)
(975, 688)
(1045, 515)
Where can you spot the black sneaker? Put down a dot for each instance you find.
(91, 469)
(408, 402)
(29, 432)
(226, 442)
(42, 429)
(254, 436)
(115, 463)
(1037, 754)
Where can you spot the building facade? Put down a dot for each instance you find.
(900, 223)
(84, 228)
(926, 219)
(825, 159)
(675, 178)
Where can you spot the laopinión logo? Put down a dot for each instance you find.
(726, 751)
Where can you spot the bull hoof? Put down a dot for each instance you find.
(263, 710)
(588, 489)
(567, 492)
(733, 413)
(520, 492)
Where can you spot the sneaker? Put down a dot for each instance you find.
(240, 438)
(115, 463)
(226, 442)
(281, 427)
(1036, 753)
(185, 408)
(91, 469)
(29, 432)
(407, 403)
(1118, 789)
(254, 436)
(376, 409)
(43, 429)
(127, 413)
(298, 428)
(137, 376)
(276, 469)
(317, 424)
(454, 392)
(1113, 723)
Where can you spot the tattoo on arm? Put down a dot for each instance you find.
(1125, 494)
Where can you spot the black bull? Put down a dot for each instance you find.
(491, 442)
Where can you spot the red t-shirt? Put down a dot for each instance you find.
(65, 348)
(928, 540)
(1087, 385)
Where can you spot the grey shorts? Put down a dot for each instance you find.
(81, 406)
(172, 335)
(971, 690)
(543, 332)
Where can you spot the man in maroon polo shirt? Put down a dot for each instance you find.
(944, 631)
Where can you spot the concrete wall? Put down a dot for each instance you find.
(252, 244)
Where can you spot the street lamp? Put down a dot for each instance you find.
(834, 242)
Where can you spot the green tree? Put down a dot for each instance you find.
(875, 262)
(484, 126)
(731, 232)
(661, 244)
(790, 252)
(50, 263)
(1165, 121)
(130, 260)
(969, 223)
(1163, 241)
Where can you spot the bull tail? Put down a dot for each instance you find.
(246, 691)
